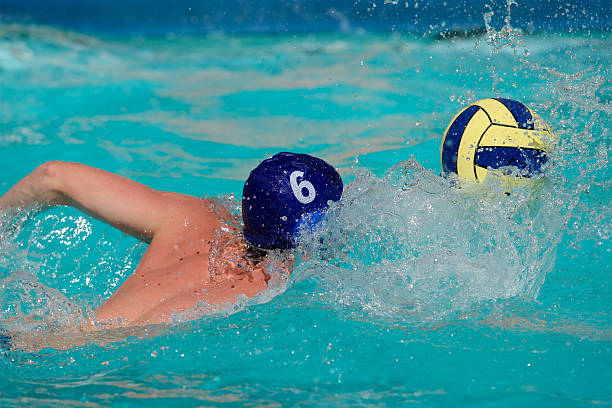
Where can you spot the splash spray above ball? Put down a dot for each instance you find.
(496, 135)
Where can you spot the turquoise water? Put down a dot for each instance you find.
(425, 295)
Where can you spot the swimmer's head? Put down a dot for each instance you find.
(281, 193)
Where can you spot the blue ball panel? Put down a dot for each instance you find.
(528, 161)
(519, 111)
(452, 139)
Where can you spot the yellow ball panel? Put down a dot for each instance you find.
(469, 141)
(481, 173)
(504, 136)
(497, 111)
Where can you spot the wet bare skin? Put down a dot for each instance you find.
(172, 277)
(174, 273)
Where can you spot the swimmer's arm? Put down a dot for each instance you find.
(125, 204)
(32, 190)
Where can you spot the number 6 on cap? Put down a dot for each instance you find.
(298, 188)
(281, 192)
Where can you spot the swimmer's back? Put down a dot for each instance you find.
(174, 273)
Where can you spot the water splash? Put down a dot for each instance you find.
(30, 306)
(414, 248)
(411, 247)
(507, 36)
(498, 40)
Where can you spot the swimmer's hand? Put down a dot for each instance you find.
(69, 338)
(125, 204)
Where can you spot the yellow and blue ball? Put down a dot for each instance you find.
(496, 134)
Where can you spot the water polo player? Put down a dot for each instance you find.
(176, 271)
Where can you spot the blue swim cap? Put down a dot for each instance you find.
(280, 192)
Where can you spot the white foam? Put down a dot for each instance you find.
(412, 246)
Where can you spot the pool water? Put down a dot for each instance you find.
(411, 292)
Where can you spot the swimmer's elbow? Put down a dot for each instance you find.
(49, 170)
(40, 187)
(50, 175)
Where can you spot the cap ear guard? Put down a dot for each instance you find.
(280, 192)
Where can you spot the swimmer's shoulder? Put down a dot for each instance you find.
(177, 203)
(182, 211)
